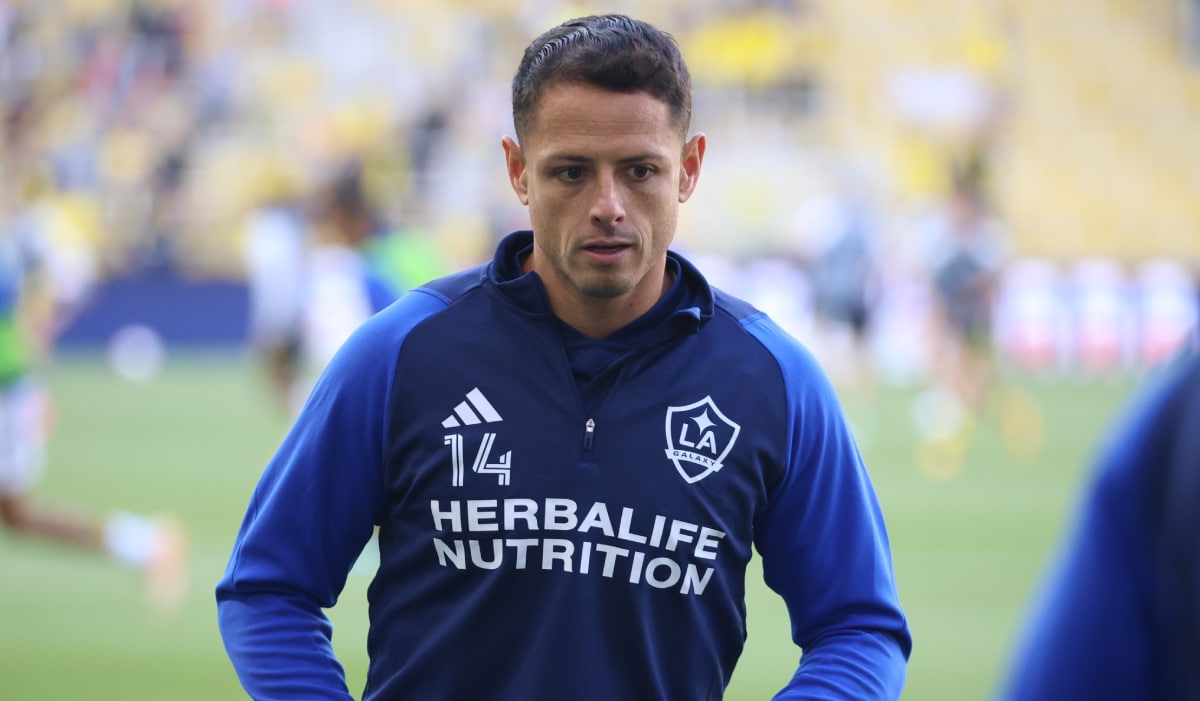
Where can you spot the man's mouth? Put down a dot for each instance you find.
(607, 246)
(606, 251)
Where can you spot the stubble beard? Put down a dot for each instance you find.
(605, 286)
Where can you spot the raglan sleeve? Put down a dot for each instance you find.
(825, 549)
(310, 515)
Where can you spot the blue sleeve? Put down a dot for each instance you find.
(825, 549)
(1089, 634)
(313, 510)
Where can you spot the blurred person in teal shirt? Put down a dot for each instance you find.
(158, 545)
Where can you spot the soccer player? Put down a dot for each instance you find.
(967, 250)
(1120, 616)
(344, 288)
(158, 546)
(276, 238)
(311, 280)
(571, 451)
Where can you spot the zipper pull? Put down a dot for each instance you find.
(589, 434)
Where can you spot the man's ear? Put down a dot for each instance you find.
(693, 158)
(515, 160)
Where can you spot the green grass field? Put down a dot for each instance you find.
(968, 546)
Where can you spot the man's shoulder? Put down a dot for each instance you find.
(420, 304)
(737, 308)
(754, 322)
(761, 330)
(456, 285)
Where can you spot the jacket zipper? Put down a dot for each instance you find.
(589, 434)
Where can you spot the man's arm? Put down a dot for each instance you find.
(825, 550)
(312, 512)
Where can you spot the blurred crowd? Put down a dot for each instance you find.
(203, 136)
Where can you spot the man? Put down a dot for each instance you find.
(1120, 618)
(966, 255)
(276, 236)
(964, 252)
(28, 317)
(570, 451)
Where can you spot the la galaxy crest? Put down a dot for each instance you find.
(699, 438)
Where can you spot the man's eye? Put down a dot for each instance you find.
(641, 172)
(572, 173)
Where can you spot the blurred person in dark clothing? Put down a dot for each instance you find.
(966, 251)
(846, 272)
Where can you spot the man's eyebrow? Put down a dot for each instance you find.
(569, 157)
(647, 156)
(636, 158)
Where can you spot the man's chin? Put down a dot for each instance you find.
(609, 287)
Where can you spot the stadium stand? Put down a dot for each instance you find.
(150, 130)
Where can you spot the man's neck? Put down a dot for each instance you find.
(597, 317)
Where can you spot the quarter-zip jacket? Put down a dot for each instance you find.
(543, 540)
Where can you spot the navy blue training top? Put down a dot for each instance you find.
(542, 539)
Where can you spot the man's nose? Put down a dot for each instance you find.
(607, 206)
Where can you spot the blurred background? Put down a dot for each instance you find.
(982, 216)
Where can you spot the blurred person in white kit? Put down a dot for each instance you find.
(311, 280)
(343, 287)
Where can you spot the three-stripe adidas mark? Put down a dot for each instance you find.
(476, 409)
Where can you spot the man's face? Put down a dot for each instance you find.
(603, 174)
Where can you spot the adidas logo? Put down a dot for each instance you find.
(475, 410)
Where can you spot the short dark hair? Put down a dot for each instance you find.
(613, 52)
